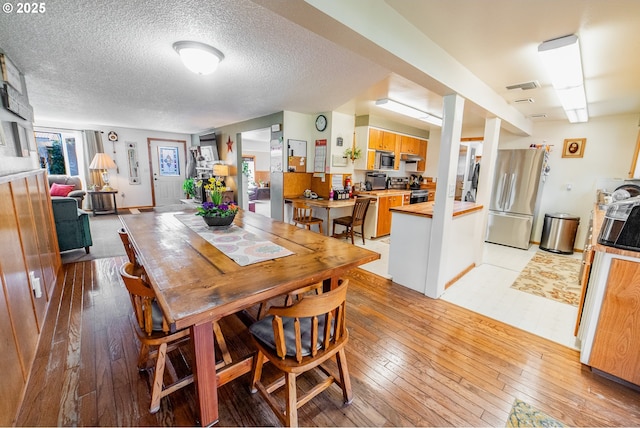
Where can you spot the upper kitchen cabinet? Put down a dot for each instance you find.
(370, 140)
(409, 145)
(382, 140)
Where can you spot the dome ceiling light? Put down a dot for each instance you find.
(198, 57)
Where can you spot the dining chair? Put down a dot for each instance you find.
(131, 252)
(155, 338)
(296, 339)
(302, 215)
(356, 218)
(292, 297)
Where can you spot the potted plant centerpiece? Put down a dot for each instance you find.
(217, 213)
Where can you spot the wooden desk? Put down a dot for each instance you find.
(195, 283)
(327, 204)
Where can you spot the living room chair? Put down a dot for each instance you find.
(72, 225)
(296, 339)
(155, 339)
(302, 215)
(356, 218)
(292, 297)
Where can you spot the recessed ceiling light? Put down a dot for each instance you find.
(198, 57)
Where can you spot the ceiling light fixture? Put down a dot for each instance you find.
(397, 107)
(198, 57)
(561, 57)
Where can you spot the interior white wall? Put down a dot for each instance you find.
(129, 195)
(608, 153)
(300, 126)
(342, 126)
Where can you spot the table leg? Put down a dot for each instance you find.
(115, 205)
(205, 372)
(328, 229)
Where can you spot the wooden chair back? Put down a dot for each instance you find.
(301, 211)
(128, 247)
(330, 306)
(360, 211)
(141, 295)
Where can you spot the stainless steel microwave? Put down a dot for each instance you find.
(384, 160)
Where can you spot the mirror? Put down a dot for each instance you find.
(132, 160)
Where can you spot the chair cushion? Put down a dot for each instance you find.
(263, 331)
(61, 189)
(156, 316)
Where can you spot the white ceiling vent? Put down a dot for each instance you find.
(524, 101)
(524, 86)
(538, 116)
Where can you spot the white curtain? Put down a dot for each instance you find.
(93, 145)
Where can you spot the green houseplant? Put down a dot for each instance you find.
(189, 187)
(353, 153)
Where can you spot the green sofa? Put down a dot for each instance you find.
(72, 224)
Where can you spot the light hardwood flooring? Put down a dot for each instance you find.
(413, 361)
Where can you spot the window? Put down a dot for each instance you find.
(57, 153)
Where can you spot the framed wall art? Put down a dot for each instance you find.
(573, 147)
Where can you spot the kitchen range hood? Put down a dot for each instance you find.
(408, 157)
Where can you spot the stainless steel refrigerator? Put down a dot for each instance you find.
(515, 197)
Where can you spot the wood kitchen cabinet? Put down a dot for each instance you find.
(383, 140)
(384, 215)
(409, 145)
(422, 152)
(616, 344)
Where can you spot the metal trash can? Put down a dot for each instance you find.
(559, 233)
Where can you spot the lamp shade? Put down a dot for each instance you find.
(221, 170)
(102, 161)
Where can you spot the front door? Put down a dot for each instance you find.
(168, 162)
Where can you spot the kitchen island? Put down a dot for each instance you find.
(411, 238)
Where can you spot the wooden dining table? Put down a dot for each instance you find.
(196, 283)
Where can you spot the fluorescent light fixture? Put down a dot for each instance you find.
(198, 57)
(561, 58)
(397, 107)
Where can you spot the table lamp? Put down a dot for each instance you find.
(103, 162)
(221, 171)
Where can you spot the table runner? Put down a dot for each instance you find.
(241, 246)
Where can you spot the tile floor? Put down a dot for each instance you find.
(486, 290)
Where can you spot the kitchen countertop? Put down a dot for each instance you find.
(598, 219)
(425, 209)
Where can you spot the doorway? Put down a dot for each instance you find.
(168, 163)
(256, 170)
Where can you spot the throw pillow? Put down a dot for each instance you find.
(61, 189)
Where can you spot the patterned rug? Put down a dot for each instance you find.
(552, 276)
(523, 415)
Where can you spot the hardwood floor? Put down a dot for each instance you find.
(413, 361)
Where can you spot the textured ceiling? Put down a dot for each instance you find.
(112, 63)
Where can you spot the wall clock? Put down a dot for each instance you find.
(321, 123)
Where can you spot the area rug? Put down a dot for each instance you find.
(551, 276)
(524, 415)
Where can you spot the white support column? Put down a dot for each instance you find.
(485, 181)
(443, 208)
